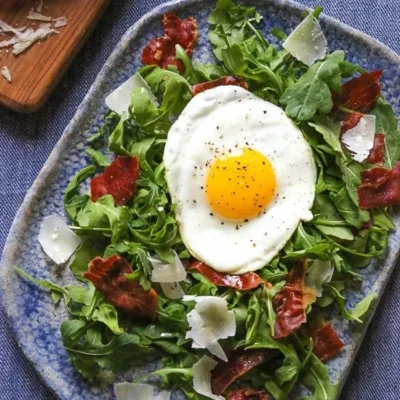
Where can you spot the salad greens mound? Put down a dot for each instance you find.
(336, 244)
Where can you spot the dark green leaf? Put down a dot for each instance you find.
(98, 158)
(312, 92)
(103, 213)
(73, 202)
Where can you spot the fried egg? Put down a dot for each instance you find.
(241, 177)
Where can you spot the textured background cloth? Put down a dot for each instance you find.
(26, 142)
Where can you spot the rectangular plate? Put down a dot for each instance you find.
(36, 71)
(31, 314)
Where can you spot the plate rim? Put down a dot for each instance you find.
(72, 130)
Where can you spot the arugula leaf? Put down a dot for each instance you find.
(149, 152)
(204, 287)
(89, 354)
(57, 292)
(284, 378)
(98, 158)
(73, 202)
(123, 137)
(278, 33)
(111, 121)
(266, 298)
(353, 215)
(229, 25)
(315, 376)
(91, 247)
(328, 221)
(360, 309)
(340, 232)
(330, 131)
(240, 61)
(104, 214)
(191, 74)
(382, 219)
(107, 314)
(209, 72)
(386, 122)
(245, 52)
(351, 176)
(312, 92)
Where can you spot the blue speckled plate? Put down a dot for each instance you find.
(32, 316)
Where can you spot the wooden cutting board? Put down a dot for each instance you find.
(36, 71)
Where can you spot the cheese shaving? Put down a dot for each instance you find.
(319, 273)
(6, 73)
(360, 139)
(60, 22)
(36, 16)
(210, 321)
(168, 275)
(172, 290)
(307, 42)
(144, 391)
(202, 377)
(40, 6)
(58, 241)
(168, 272)
(30, 36)
(8, 28)
(8, 43)
(25, 38)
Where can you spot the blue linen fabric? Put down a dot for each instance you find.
(26, 142)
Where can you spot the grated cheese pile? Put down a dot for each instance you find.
(25, 37)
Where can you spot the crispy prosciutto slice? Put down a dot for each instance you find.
(327, 343)
(108, 276)
(247, 281)
(181, 31)
(247, 394)
(377, 153)
(239, 363)
(224, 81)
(161, 51)
(360, 94)
(292, 300)
(119, 180)
(380, 187)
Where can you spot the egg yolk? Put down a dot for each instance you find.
(240, 186)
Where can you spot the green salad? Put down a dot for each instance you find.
(152, 283)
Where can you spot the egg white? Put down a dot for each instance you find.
(221, 121)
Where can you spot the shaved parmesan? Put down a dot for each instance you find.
(168, 275)
(58, 241)
(8, 28)
(319, 273)
(119, 100)
(173, 290)
(133, 391)
(163, 272)
(210, 321)
(202, 377)
(30, 36)
(36, 16)
(40, 6)
(6, 73)
(202, 336)
(307, 42)
(8, 43)
(360, 139)
(62, 21)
